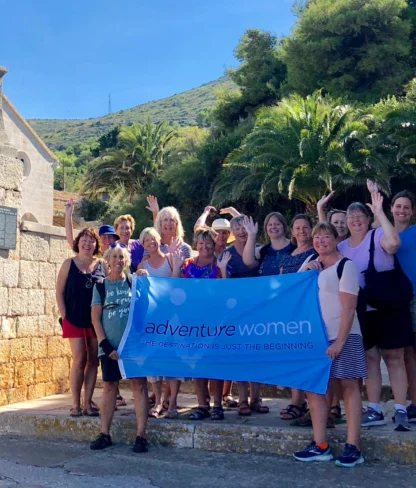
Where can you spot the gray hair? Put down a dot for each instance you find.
(237, 221)
(358, 207)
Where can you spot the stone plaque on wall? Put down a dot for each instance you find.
(8, 227)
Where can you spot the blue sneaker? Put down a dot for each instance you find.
(350, 457)
(314, 453)
(371, 418)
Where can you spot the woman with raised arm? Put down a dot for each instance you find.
(204, 266)
(124, 226)
(403, 209)
(110, 308)
(338, 218)
(338, 292)
(385, 333)
(267, 258)
(74, 288)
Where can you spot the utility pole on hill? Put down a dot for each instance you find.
(109, 103)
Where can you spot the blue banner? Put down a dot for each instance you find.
(267, 330)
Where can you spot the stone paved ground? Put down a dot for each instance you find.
(34, 463)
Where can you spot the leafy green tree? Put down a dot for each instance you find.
(356, 48)
(135, 162)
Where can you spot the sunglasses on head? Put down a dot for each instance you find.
(117, 244)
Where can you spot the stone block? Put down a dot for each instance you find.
(43, 370)
(11, 273)
(4, 400)
(4, 351)
(24, 374)
(46, 326)
(39, 347)
(27, 326)
(7, 375)
(36, 302)
(34, 247)
(18, 298)
(60, 368)
(47, 276)
(7, 328)
(51, 308)
(17, 395)
(36, 391)
(29, 274)
(11, 173)
(55, 387)
(13, 199)
(20, 349)
(4, 300)
(57, 347)
(59, 250)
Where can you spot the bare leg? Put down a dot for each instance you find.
(226, 391)
(174, 386)
(319, 412)
(242, 391)
(254, 391)
(201, 392)
(141, 405)
(108, 403)
(394, 359)
(79, 360)
(353, 410)
(90, 371)
(373, 383)
(410, 361)
(216, 387)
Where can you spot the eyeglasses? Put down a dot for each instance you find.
(115, 244)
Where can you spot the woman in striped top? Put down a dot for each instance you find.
(338, 292)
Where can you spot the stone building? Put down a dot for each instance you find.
(34, 360)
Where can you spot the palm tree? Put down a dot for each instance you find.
(302, 148)
(134, 163)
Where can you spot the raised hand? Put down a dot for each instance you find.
(69, 207)
(376, 204)
(323, 202)
(209, 209)
(177, 259)
(230, 210)
(251, 227)
(153, 204)
(372, 187)
(224, 260)
(174, 244)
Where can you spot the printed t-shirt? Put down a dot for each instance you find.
(190, 270)
(115, 310)
(407, 254)
(292, 264)
(186, 249)
(272, 261)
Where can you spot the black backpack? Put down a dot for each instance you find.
(101, 287)
(362, 296)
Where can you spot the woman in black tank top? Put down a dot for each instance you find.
(76, 280)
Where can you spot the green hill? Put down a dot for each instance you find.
(182, 108)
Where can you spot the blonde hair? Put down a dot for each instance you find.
(116, 247)
(174, 214)
(205, 233)
(149, 231)
(128, 218)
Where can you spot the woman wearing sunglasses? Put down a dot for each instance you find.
(74, 288)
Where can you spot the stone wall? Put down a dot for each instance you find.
(34, 359)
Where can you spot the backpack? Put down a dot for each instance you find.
(362, 296)
(100, 285)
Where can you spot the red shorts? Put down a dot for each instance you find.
(70, 331)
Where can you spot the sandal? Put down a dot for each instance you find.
(155, 411)
(151, 401)
(217, 413)
(293, 412)
(120, 402)
(172, 414)
(75, 412)
(336, 415)
(258, 407)
(165, 404)
(306, 421)
(200, 413)
(228, 401)
(304, 408)
(90, 412)
(244, 409)
(94, 406)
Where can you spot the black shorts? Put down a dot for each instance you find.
(392, 330)
(110, 369)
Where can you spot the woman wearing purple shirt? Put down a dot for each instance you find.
(385, 334)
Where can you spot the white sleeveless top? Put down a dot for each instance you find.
(163, 271)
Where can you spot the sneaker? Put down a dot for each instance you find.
(372, 418)
(350, 457)
(411, 413)
(401, 420)
(140, 445)
(314, 453)
(101, 442)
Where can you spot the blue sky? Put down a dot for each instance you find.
(64, 58)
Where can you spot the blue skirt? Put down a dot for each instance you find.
(351, 363)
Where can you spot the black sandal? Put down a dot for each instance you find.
(200, 413)
(228, 401)
(217, 413)
(293, 411)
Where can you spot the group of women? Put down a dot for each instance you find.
(93, 297)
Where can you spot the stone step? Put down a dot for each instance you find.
(48, 418)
